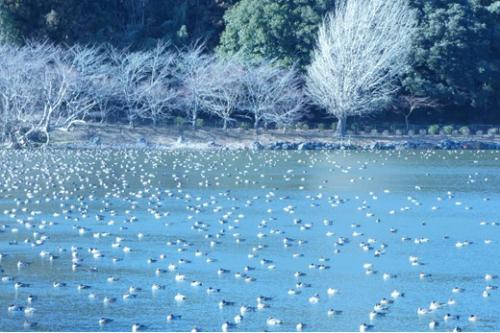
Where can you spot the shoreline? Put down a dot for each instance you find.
(104, 136)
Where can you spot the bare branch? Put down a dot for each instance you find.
(362, 48)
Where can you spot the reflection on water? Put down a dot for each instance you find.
(78, 229)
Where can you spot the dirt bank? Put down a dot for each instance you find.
(117, 136)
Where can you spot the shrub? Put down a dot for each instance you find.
(493, 131)
(245, 125)
(374, 132)
(385, 133)
(200, 122)
(411, 132)
(355, 127)
(422, 131)
(448, 129)
(333, 126)
(464, 130)
(321, 126)
(433, 129)
(179, 121)
(299, 125)
(305, 126)
(479, 132)
(398, 132)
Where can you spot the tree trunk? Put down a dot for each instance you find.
(256, 126)
(193, 120)
(224, 127)
(407, 119)
(341, 126)
(407, 122)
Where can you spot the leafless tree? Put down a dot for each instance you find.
(86, 68)
(192, 71)
(159, 91)
(407, 104)
(272, 93)
(222, 88)
(107, 92)
(17, 105)
(49, 86)
(131, 73)
(362, 48)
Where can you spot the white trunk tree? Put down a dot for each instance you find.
(192, 69)
(86, 67)
(362, 48)
(159, 92)
(222, 89)
(17, 99)
(272, 94)
(131, 73)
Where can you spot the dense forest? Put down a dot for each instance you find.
(455, 60)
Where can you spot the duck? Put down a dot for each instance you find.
(433, 324)
(472, 318)
(179, 297)
(271, 321)
(104, 321)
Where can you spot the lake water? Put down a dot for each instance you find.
(344, 220)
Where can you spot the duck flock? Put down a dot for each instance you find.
(157, 240)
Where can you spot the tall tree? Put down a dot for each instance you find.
(274, 29)
(456, 57)
(139, 23)
(363, 48)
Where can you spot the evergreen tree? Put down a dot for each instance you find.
(275, 29)
(455, 59)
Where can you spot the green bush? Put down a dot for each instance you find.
(355, 127)
(493, 131)
(433, 129)
(200, 122)
(305, 126)
(321, 126)
(179, 121)
(448, 129)
(333, 126)
(245, 125)
(464, 130)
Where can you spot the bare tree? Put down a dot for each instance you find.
(131, 73)
(407, 104)
(272, 93)
(285, 117)
(362, 48)
(222, 88)
(17, 104)
(49, 87)
(86, 67)
(106, 91)
(192, 69)
(159, 91)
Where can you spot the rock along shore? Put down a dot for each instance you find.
(447, 144)
(171, 138)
